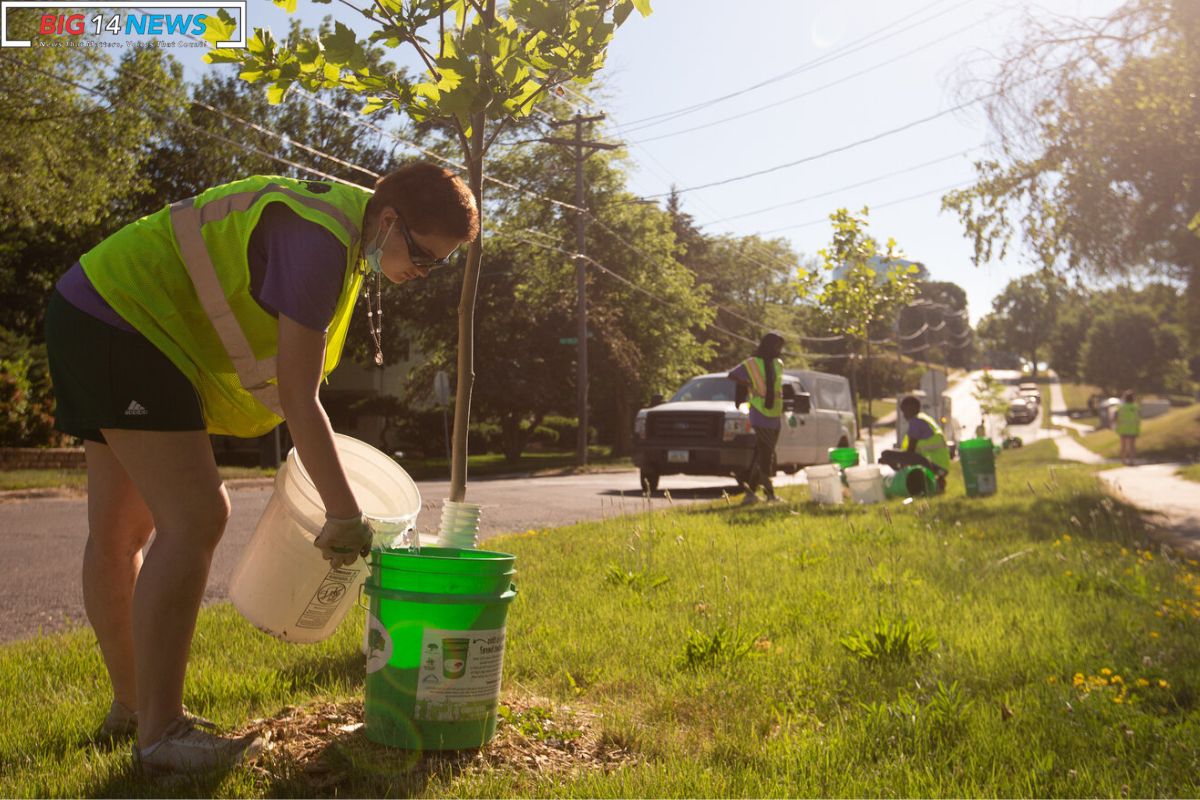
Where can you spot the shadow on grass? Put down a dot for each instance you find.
(128, 781)
(319, 673)
(703, 493)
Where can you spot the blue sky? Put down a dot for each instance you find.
(885, 65)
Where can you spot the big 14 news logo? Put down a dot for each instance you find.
(128, 24)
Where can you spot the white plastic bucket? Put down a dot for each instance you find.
(866, 483)
(282, 584)
(825, 483)
(460, 525)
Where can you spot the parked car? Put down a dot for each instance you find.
(702, 431)
(1031, 392)
(1021, 412)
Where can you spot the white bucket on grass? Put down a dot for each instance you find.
(866, 483)
(825, 484)
(282, 584)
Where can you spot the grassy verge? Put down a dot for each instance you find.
(76, 479)
(881, 408)
(1173, 436)
(1026, 644)
(1191, 472)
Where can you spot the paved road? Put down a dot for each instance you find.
(43, 538)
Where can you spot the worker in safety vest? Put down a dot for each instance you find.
(221, 313)
(1129, 425)
(762, 373)
(923, 445)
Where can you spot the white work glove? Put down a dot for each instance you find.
(342, 541)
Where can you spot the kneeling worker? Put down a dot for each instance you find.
(924, 444)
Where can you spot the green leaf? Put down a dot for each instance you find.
(219, 28)
(643, 7)
(373, 105)
(276, 93)
(287, 5)
(223, 56)
(342, 47)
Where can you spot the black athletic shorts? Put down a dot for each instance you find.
(105, 377)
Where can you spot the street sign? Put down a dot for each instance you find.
(441, 388)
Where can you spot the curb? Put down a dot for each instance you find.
(62, 493)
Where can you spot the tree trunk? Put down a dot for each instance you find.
(466, 322)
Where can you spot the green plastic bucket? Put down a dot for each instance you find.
(911, 482)
(435, 646)
(844, 457)
(978, 459)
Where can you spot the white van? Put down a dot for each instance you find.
(701, 431)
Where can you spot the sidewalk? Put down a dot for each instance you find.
(1172, 503)
(1058, 411)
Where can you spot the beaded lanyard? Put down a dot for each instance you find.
(375, 318)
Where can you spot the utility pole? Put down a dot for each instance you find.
(581, 150)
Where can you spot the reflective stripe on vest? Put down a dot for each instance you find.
(181, 277)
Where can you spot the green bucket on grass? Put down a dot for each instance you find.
(435, 646)
(911, 482)
(978, 458)
(844, 457)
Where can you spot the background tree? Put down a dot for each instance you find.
(488, 65)
(1023, 316)
(1127, 347)
(873, 285)
(1097, 167)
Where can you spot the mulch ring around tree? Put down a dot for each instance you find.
(323, 745)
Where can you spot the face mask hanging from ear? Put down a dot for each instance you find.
(374, 257)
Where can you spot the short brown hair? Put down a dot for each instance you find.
(431, 200)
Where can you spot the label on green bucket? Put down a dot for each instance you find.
(379, 645)
(460, 673)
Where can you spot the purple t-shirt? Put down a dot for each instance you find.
(757, 419)
(918, 429)
(296, 269)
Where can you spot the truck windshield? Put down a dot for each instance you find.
(705, 389)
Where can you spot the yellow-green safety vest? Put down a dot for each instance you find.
(757, 370)
(1129, 420)
(934, 448)
(181, 277)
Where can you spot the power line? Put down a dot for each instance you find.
(860, 184)
(808, 92)
(848, 49)
(832, 151)
(165, 119)
(888, 204)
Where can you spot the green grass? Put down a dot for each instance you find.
(1076, 395)
(881, 408)
(1191, 472)
(928, 649)
(76, 479)
(1173, 436)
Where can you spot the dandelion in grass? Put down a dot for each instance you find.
(1163, 684)
(1154, 634)
(1142, 682)
(1106, 671)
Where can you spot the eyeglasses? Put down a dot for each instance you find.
(419, 256)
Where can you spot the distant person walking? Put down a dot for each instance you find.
(763, 374)
(1129, 425)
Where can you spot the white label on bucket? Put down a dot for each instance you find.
(379, 645)
(328, 598)
(459, 677)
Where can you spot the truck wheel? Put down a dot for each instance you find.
(791, 469)
(649, 481)
(844, 441)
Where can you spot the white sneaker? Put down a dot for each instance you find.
(120, 722)
(184, 748)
